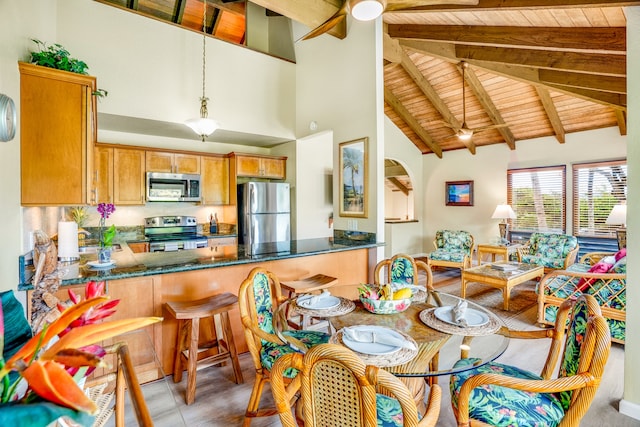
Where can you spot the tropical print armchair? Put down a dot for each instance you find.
(607, 287)
(502, 395)
(454, 248)
(258, 299)
(553, 251)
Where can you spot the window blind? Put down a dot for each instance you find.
(597, 187)
(538, 197)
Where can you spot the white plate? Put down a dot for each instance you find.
(373, 348)
(96, 264)
(323, 303)
(473, 317)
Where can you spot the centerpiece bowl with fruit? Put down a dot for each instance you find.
(381, 299)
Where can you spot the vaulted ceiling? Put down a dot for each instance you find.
(532, 68)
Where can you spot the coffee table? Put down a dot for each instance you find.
(499, 279)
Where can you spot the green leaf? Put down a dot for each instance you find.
(38, 414)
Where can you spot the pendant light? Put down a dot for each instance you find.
(366, 10)
(203, 125)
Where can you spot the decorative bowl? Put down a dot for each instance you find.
(392, 306)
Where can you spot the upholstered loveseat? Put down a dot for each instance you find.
(453, 249)
(553, 251)
(609, 289)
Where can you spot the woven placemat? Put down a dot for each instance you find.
(429, 318)
(396, 358)
(345, 306)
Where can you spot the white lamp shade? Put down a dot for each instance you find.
(503, 212)
(366, 10)
(203, 126)
(618, 215)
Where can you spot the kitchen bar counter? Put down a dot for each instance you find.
(129, 264)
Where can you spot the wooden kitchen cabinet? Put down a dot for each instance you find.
(102, 191)
(118, 176)
(215, 180)
(255, 166)
(138, 247)
(57, 132)
(159, 161)
(128, 177)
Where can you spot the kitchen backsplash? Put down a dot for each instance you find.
(47, 218)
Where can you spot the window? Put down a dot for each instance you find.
(537, 195)
(597, 187)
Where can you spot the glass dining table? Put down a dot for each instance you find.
(439, 344)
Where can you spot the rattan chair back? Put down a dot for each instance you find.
(338, 389)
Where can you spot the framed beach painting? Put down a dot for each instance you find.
(459, 193)
(353, 176)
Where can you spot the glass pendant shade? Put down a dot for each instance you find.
(366, 10)
(203, 126)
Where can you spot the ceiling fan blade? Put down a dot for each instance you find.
(328, 24)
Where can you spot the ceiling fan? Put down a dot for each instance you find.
(367, 10)
(464, 132)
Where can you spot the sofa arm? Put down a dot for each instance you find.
(571, 257)
(592, 258)
(525, 249)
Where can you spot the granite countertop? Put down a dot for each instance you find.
(129, 264)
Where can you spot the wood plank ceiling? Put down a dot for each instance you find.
(534, 68)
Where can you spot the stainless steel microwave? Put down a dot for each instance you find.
(173, 187)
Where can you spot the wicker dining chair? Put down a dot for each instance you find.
(338, 389)
(500, 395)
(259, 297)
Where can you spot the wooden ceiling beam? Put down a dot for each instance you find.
(489, 107)
(593, 63)
(621, 117)
(178, 12)
(591, 39)
(529, 75)
(588, 81)
(311, 13)
(423, 84)
(400, 186)
(552, 113)
(427, 142)
(489, 5)
(397, 170)
(236, 8)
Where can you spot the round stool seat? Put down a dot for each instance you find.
(216, 350)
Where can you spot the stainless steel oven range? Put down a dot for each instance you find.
(173, 233)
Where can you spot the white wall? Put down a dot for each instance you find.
(337, 86)
(153, 70)
(630, 405)
(314, 185)
(405, 238)
(488, 170)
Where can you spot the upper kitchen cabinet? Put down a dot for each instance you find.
(215, 180)
(159, 161)
(119, 175)
(57, 131)
(257, 166)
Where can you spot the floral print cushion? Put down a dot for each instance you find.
(389, 412)
(402, 271)
(543, 261)
(611, 295)
(453, 240)
(270, 352)
(444, 255)
(573, 347)
(506, 407)
(549, 250)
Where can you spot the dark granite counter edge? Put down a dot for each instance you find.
(142, 270)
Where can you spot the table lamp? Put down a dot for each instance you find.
(617, 216)
(503, 212)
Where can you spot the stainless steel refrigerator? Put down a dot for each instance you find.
(264, 217)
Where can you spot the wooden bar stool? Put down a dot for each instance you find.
(303, 286)
(216, 351)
